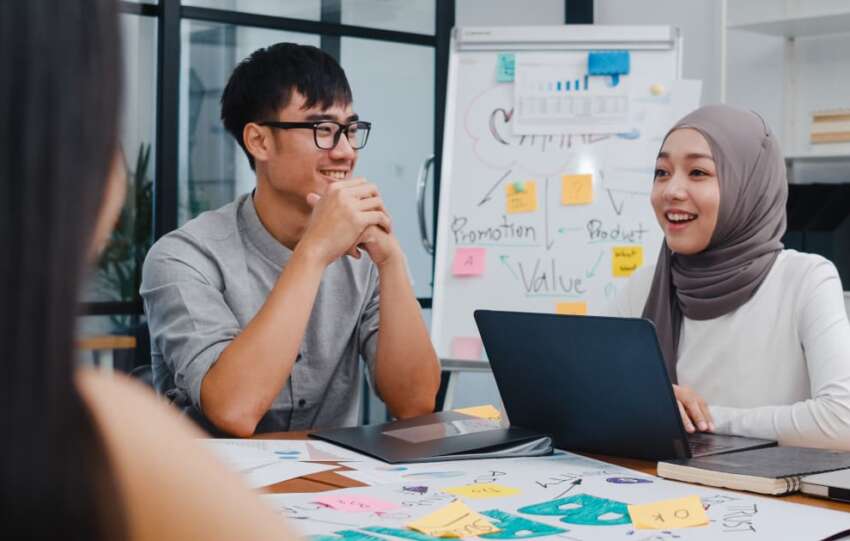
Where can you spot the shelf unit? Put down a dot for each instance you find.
(792, 28)
(799, 27)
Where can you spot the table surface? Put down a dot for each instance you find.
(106, 342)
(328, 480)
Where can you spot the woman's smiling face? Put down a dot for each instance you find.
(685, 192)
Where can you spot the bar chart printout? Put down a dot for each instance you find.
(556, 98)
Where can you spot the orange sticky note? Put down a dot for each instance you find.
(625, 260)
(478, 491)
(669, 514)
(467, 347)
(469, 261)
(571, 308)
(453, 520)
(576, 189)
(521, 196)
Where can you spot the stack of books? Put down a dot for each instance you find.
(831, 126)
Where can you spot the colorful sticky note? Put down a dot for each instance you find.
(625, 260)
(453, 520)
(505, 67)
(523, 199)
(483, 412)
(467, 347)
(608, 62)
(356, 503)
(576, 189)
(478, 491)
(669, 514)
(578, 308)
(469, 261)
(613, 63)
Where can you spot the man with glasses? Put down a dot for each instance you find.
(259, 311)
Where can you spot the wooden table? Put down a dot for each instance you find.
(328, 480)
(102, 348)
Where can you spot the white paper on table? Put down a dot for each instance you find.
(238, 457)
(303, 450)
(586, 483)
(281, 470)
(260, 467)
(320, 448)
(371, 478)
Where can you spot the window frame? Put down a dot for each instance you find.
(170, 14)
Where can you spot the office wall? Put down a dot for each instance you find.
(699, 21)
(508, 12)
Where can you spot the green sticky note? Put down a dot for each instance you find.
(505, 68)
(519, 187)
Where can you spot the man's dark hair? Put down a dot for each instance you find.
(263, 83)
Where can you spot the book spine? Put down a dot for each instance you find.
(792, 484)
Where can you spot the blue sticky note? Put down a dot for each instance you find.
(608, 63)
(505, 67)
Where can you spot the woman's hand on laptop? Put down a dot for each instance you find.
(694, 410)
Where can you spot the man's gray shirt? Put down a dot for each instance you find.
(203, 283)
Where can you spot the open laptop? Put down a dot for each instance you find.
(834, 485)
(595, 384)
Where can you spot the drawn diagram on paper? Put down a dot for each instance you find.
(562, 497)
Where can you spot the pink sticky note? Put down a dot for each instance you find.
(356, 504)
(469, 262)
(467, 347)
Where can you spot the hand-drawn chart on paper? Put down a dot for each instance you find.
(563, 497)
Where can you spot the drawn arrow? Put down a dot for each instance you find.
(574, 484)
(592, 272)
(504, 260)
(496, 185)
(618, 210)
(546, 213)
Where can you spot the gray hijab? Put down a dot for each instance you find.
(746, 241)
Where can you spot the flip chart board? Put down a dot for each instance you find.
(548, 160)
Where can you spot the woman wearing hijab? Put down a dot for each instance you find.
(84, 455)
(755, 337)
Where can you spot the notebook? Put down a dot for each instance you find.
(446, 435)
(773, 470)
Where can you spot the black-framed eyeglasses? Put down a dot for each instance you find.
(326, 132)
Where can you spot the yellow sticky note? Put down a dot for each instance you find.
(522, 197)
(576, 189)
(625, 260)
(571, 308)
(478, 491)
(669, 514)
(453, 520)
(484, 412)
